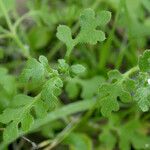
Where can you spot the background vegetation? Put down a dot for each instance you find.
(29, 29)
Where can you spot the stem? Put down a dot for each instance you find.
(54, 115)
(28, 14)
(6, 15)
(60, 137)
(20, 44)
(131, 71)
(13, 31)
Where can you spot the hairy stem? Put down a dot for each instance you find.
(12, 31)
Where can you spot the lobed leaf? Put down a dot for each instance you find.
(144, 61)
(110, 93)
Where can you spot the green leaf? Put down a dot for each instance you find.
(64, 34)
(51, 90)
(103, 18)
(144, 61)
(33, 37)
(72, 89)
(10, 132)
(17, 115)
(63, 66)
(40, 108)
(110, 92)
(108, 139)
(7, 82)
(130, 134)
(89, 23)
(21, 100)
(78, 69)
(146, 4)
(142, 95)
(88, 26)
(33, 71)
(90, 86)
(27, 121)
(79, 141)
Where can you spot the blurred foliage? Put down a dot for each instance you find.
(29, 29)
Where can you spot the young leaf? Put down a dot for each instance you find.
(89, 23)
(51, 91)
(64, 34)
(63, 66)
(78, 69)
(33, 71)
(88, 29)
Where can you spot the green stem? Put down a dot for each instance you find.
(25, 51)
(13, 31)
(6, 15)
(65, 133)
(131, 71)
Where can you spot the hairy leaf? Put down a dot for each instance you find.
(110, 93)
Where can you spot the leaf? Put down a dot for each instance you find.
(103, 17)
(110, 93)
(8, 88)
(72, 89)
(90, 86)
(79, 141)
(33, 37)
(7, 82)
(89, 23)
(51, 91)
(144, 61)
(18, 116)
(63, 66)
(10, 132)
(78, 69)
(40, 108)
(64, 34)
(27, 121)
(142, 95)
(88, 29)
(130, 134)
(108, 139)
(21, 100)
(33, 71)
(146, 4)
